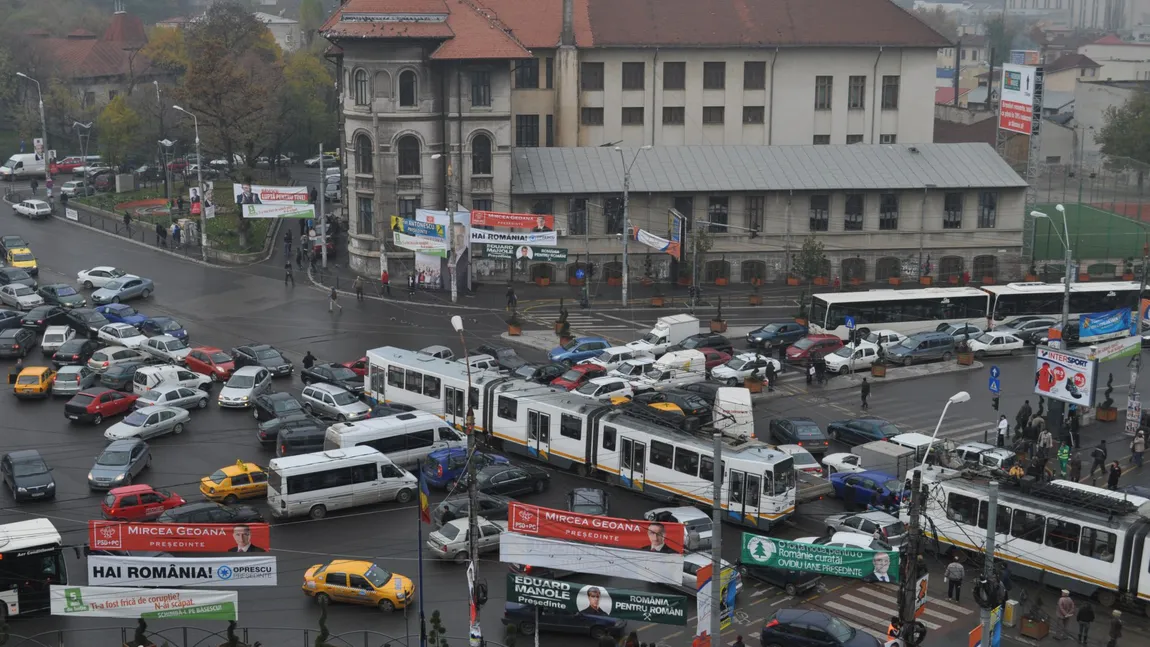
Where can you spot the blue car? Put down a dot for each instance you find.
(163, 326)
(443, 467)
(126, 287)
(120, 313)
(578, 349)
(859, 488)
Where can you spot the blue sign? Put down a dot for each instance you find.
(579, 274)
(995, 386)
(850, 322)
(1111, 324)
(994, 372)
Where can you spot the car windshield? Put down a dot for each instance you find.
(588, 388)
(343, 373)
(136, 419)
(28, 379)
(287, 405)
(82, 399)
(112, 458)
(29, 467)
(267, 354)
(838, 629)
(65, 291)
(16, 274)
(377, 576)
(217, 476)
(771, 328)
(170, 325)
(344, 398)
(587, 507)
(889, 429)
(91, 316)
(985, 338)
(449, 531)
(572, 375)
(114, 273)
(153, 395)
(895, 529)
(809, 431)
(175, 344)
(100, 356)
(909, 343)
(737, 364)
(571, 344)
(113, 285)
(21, 290)
(655, 374)
(23, 257)
(893, 485)
(804, 458)
(241, 382)
(221, 357)
(845, 351)
(804, 343)
(692, 343)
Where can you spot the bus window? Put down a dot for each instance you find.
(686, 461)
(1062, 535)
(1028, 526)
(395, 377)
(819, 313)
(1098, 544)
(962, 509)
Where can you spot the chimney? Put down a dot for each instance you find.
(567, 37)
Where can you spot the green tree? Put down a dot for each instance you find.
(1125, 135)
(118, 125)
(305, 103)
(811, 260)
(311, 17)
(166, 49)
(1001, 32)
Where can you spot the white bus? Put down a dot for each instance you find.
(32, 561)
(904, 311)
(405, 438)
(1014, 299)
(315, 484)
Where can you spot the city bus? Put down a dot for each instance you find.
(31, 561)
(1014, 299)
(904, 311)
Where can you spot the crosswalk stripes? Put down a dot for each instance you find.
(869, 608)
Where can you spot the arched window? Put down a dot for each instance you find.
(360, 88)
(408, 155)
(407, 89)
(363, 154)
(481, 155)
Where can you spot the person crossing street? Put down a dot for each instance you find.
(953, 575)
(288, 276)
(1098, 458)
(333, 301)
(385, 282)
(358, 285)
(287, 244)
(1064, 457)
(1003, 427)
(865, 388)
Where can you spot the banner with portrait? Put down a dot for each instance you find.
(533, 221)
(421, 245)
(531, 253)
(431, 271)
(259, 194)
(179, 537)
(199, 198)
(858, 563)
(574, 597)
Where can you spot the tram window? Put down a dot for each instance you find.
(1027, 526)
(609, 438)
(395, 377)
(508, 408)
(752, 489)
(707, 468)
(686, 461)
(736, 490)
(1002, 523)
(414, 382)
(1098, 544)
(1062, 535)
(962, 509)
(431, 386)
(662, 454)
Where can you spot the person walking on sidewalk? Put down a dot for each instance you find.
(1115, 628)
(287, 273)
(1066, 611)
(385, 282)
(1075, 467)
(128, 224)
(771, 375)
(953, 575)
(410, 284)
(1137, 447)
(161, 236)
(512, 300)
(333, 301)
(1085, 618)
(287, 244)
(1003, 427)
(299, 259)
(1064, 456)
(1045, 443)
(34, 186)
(1098, 458)
(1114, 476)
(358, 285)
(865, 390)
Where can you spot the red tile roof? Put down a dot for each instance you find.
(538, 23)
(469, 30)
(1068, 62)
(945, 96)
(125, 28)
(478, 35)
(116, 53)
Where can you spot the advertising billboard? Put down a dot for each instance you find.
(1065, 376)
(116, 602)
(533, 221)
(1099, 326)
(258, 201)
(1016, 100)
(703, 603)
(573, 597)
(856, 563)
(198, 201)
(514, 238)
(115, 570)
(517, 252)
(179, 537)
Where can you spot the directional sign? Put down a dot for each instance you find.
(994, 386)
(850, 322)
(994, 372)
(579, 273)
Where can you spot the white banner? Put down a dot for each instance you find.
(651, 240)
(525, 238)
(112, 602)
(71, 214)
(106, 570)
(661, 568)
(429, 246)
(278, 211)
(256, 194)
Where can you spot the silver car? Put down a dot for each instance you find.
(72, 379)
(126, 287)
(166, 348)
(149, 422)
(450, 540)
(106, 358)
(243, 386)
(173, 395)
(330, 401)
(892, 530)
(20, 297)
(119, 463)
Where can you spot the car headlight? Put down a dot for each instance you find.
(245, 398)
(52, 485)
(119, 477)
(89, 476)
(21, 489)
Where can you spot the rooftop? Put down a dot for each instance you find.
(946, 95)
(1068, 62)
(667, 169)
(82, 55)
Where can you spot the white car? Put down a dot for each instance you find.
(844, 462)
(122, 334)
(328, 160)
(804, 461)
(741, 366)
(98, 277)
(698, 523)
(149, 422)
(54, 337)
(845, 539)
(610, 358)
(996, 343)
(173, 395)
(632, 369)
(243, 386)
(849, 359)
(20, 296)
(77, 188)
(33, 208)
(605, 388)
(885, 339)
(692, 562)
(167, 348)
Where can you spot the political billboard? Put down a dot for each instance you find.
(413, 227)
(574, 597)
(1116, 348)
(421, 245)
(148, 604)
(1065, 376)
(703, 605)
(533, 221)
(179, 537)
(197, 201)
(653, 536)
(514, 238)
(433, 270)
(1099, 326)
(296, 211)
(857, 563)
(517, 252)
(116, 570)
(258, 201)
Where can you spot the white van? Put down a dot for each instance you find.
(406, 438)
(315, 484)
(672, 370)
(22, 165)
(920, 443)
(149, 377)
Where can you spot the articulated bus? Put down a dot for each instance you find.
(1014, 299)
(31, 561)
(905, 311)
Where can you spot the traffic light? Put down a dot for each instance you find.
(994, 402)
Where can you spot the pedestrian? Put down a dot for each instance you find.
(1114, 476)
(161, 235)
(287, 273)
(771, 375)
(410, 284)
(333, 300)
(303, 240)
(175, 234)
(1066, 611)
(820, 370)
(739, 642)
(1003, 427)
(34, 185)
(1074, 422)
(1075, 467)
(1115, 628)
(128, 223)
(865, 394)
(1045, 443)
(358, 285)
(180, 203)
(1064, 457)
(632, 640)
(810, 374)
(1004, 579)
(64, 200)
(287, 244)
(1098, 458)
(1085, 618)
(782, 352)
(385, 282)
(953, 575)
(512, 300)
(14, 371)
(299, 259)
(308, 360)
(1137, 447)
(1023, 417)
(893, 629)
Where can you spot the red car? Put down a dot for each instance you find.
(210, 361)
(94, 405)
(577, 375)
(138, 503)
(359, 366)
(714, 358)
(178, 165)
(813, 347)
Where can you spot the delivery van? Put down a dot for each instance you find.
(22, 166)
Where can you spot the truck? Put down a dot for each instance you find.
(887, 457)
(667, 331)
(672, 370)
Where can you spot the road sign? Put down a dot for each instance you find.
(994, 372)
(850, 322)
(994, 386)
(579, 273)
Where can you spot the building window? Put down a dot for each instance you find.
(577, 216)
(481, 155)
(856, 93)
(591, 76)
(685, 205)
(592, 116)
(888, 211)
(613, 214)
(854, 139)
(755, 205)
(952, 211)
(549, 73)
(987, 209)
(89, 99)
(890, 93)
(820, 212)
(549, 132)
(821, 140)
(362, 96)
(408, 150)
(754, 75)
(481, 88)
(714, 76)
(544, 207)
(407, 89)
(674, 116)
(527, 74)
(853, 213)
(753, 114)
(717, 211)
(713, 115)
(407, 207)
(888, 139)
(632, 116)
(633, 76)
(363, 154)
(674, 76)
(482, 204)
(824, 89)
(527, 131)
(365, 218)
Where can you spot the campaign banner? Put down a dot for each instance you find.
(1144, 308)
(201, 199)
(704, 582)
(678, 228)
(653, 536)
(434, 271)
(656, 242)
(1104, 325)
(525, 238)
(418, 228)
(117, 602)
(296, 211)
(572, 598)
(548, 254)
(428, 246)
(533, 221)
(657, 567)
(257, 194)
(108, 570)
(1065, 376)
(179, 537)
(1117, 348)
(857, 563)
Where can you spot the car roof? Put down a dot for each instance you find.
(823, 337)
(131, 489)
(156, 408)
(793, 615)
(120, 326)
(792, 449)
(234, 468)
(24, 453)
(165, 338)
(580, 340)
(607, 379)
(208, 349)
(249, 370)
(874, 474)
(34, 370)
(351, 566)
(877, 515)
(37, 202)
(125, 443)
(327, 388)
(682, 512)
(278, 395)
(164, 387)
(95, 391)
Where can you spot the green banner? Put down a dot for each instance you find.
(529, 252)
(572, 597)
(858, 563)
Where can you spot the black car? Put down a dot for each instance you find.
(809, 628)
(16, 342)
(706, 390)
(712, 340)
(61, 294)
(208, 512)
(859, 431)
(86, 321)
(334, 374)
(797, 430)
(10, 319)
(589, 500)
(27, 475)
(507, 358)
(265, 356)
(389, 409)
(275, 405)
(691, 404)
(773, 335)
(522, 618)
(793, 582)
(120, 376)
(458, 506)
(303, 439)
(41, 317)
(268, 431)
(16, 275)
(11, 242)
(157, 326)
(541, 373)
(76, 350)
(511, 480)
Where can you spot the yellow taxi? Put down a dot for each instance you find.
(34, 382)
(22, 258)
(357, 582)
(234, 482)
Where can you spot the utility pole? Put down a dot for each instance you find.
(716, 544)
(451, 258)
(1136, 325)
(627, 215)
(909, 566)
(477, 599)
(990, 585)
(321, 223)
(160, 109)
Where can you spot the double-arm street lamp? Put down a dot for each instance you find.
(43, 134)
(1056, 405)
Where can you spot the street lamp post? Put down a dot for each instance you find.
(200, 184)
(1056, 405)
(43, 135)
(472, 493)
(627, 214)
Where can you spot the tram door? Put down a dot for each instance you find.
(632, 463)
(743, 491)
(538, 435)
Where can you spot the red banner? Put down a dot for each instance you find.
(180, 537)
(532, 221)
(657, 536)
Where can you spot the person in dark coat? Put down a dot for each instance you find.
(865, 393)
(1098, 457)
(1022, 418)
(1114, 476)
(308, 360)
(770, 374)
(1085, 619)
(1075, 467)
(161, 235)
